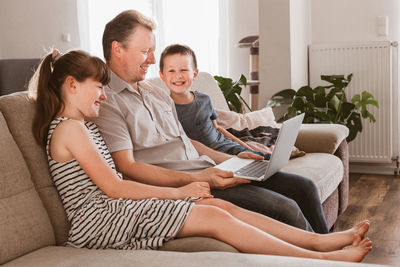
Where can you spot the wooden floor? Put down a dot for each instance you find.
(376, 198)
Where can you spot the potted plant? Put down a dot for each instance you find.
(231, 90)
(327, 104)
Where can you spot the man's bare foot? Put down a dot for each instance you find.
(338, 240)
(353, 253)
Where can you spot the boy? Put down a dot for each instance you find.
(178, 69)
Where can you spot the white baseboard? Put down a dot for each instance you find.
(374, 168)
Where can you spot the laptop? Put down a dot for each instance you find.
(260, 170)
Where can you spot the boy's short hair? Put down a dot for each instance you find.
(177, 49)
(122, 27)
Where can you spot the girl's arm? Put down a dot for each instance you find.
(71, 137)
(229, 135)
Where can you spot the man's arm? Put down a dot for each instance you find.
(154, 175)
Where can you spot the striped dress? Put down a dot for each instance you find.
(98, 221)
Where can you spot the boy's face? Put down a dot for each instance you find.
(178, 73)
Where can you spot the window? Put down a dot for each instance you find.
(190, 22)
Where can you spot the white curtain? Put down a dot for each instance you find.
(197, 24)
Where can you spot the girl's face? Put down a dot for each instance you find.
(90, 94)
(178, 73)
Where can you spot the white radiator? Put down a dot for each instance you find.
(371, 65)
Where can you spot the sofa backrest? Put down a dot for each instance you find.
(15, 74)
(205, 83)
(18, 112)
(24, 223)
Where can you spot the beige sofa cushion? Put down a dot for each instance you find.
(326, 170)
(18, 112)
(323, 138)
(24, 223)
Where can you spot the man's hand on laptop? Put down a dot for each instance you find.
(219, 179)
(249, 155)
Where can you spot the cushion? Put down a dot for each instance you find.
(326, 170)
(324, 138)
(24, 223)
(18, 112)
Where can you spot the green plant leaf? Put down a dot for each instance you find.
(347, 109)
(284, 97)
(243, 80)
(335, 102)
(231, 91)
(307, 92)
(336, 80)
(319, 96)
(299, 103)
(355, 126)
(373, 102)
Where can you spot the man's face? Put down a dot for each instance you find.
(138, 54)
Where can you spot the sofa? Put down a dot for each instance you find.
(33, 224)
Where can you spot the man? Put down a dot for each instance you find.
(147, 142)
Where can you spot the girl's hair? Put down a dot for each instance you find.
(177, 49)
(45, 85)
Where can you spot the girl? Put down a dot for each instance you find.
(106, 211)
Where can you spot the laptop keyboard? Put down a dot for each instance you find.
(254, 169)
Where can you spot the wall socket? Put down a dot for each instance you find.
(66, 37)
(382, 25)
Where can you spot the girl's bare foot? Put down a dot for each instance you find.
(338, 240)
(353, 253)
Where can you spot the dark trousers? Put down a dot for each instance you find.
(286, 197)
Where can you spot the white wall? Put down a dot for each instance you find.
(300, 37)
(353, 20)
(243, 19)
(28, 28)
(284, 36)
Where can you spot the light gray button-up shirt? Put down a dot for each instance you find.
(146, 122)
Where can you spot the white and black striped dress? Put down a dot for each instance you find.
(98, 221)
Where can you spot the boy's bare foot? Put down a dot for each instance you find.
(338, 240)
(353, 253)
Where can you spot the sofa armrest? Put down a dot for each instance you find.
(323, 138)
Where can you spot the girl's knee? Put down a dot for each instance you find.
(213, 212)
(222, 204)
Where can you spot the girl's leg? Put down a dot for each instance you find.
(293, 235)
(206, 220)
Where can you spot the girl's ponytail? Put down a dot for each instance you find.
(48, 98)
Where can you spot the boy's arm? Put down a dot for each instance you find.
(229, 135)
(215, 155)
